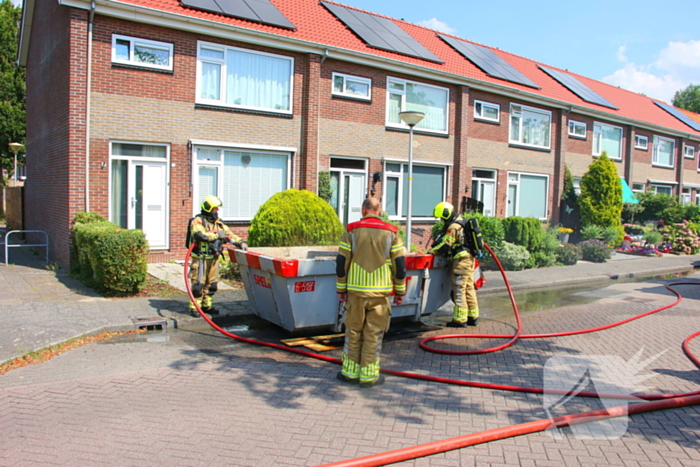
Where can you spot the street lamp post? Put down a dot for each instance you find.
(410, 118)
(15, 147)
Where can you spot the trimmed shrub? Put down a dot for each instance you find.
(513, 257)
(524, 231)
(81, 217)
(568, 254)
(613, 235)
(595, 251)
(295, 218)
(109, 258)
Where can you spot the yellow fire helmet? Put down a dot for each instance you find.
(443, 210)
(211, 202)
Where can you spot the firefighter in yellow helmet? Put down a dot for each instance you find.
(369, 266)
(208, 233)
(452, 244)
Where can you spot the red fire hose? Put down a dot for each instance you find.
(660, 401)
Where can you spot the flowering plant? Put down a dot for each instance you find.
(564, 230)
(640, 250)
(683, 238)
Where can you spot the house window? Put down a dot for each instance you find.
(577, 129)
(244, 79)
(689, 152)
(527, 195)
(663, 151)
(641, 142)
(352, 86)
(607, 139)
(487, 111)
(685, 196)
(429, 188)
(142, 52)
(529, 126)
(662, 189)
(407, 95)
(577, 185)
(243, 179)
(638, 187)
(484, 190)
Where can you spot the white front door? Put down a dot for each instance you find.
(348, 193)
(355, 190)
(139, 199)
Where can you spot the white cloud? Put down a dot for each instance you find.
(621, 53)
(677, 66)
(434, 23)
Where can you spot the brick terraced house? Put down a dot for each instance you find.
(137, 109)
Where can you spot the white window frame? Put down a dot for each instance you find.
(599, 134)
(218, 163)
(519, 115)
(135, 41)
(351, 78)
(686, 195)
(479, 111)
(689, 152)
(574, 125)
(402, 95)
(221, 101)
(399, 175)
(638, 142)
(654, 157)
(519, 194)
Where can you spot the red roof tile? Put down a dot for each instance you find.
(315, 24)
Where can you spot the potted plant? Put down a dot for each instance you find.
(563, 233)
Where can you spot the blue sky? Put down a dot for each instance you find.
(646, 46)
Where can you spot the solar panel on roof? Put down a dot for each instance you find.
(679, 115)
(259, 11)
(381, 33)
(488, 61)
(577, 87)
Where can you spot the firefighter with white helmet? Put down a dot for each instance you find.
(208, 233)
(451, 243)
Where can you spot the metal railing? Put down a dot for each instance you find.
(19, 245)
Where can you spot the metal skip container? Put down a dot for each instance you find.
(294, 287)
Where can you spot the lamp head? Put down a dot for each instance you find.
(16, 147)
(411, 117)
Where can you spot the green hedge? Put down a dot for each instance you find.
(110, 259)
(524, 231)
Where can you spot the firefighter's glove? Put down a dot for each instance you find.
(222, 235)
(243, 246)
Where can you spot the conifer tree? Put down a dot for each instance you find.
(601, 194)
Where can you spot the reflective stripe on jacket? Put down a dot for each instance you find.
(370, 249)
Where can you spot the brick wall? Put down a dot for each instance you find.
(53, 119)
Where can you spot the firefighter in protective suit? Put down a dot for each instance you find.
(452, 244)
(369, 266)
(208, 233)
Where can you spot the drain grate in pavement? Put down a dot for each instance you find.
(151, 324)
